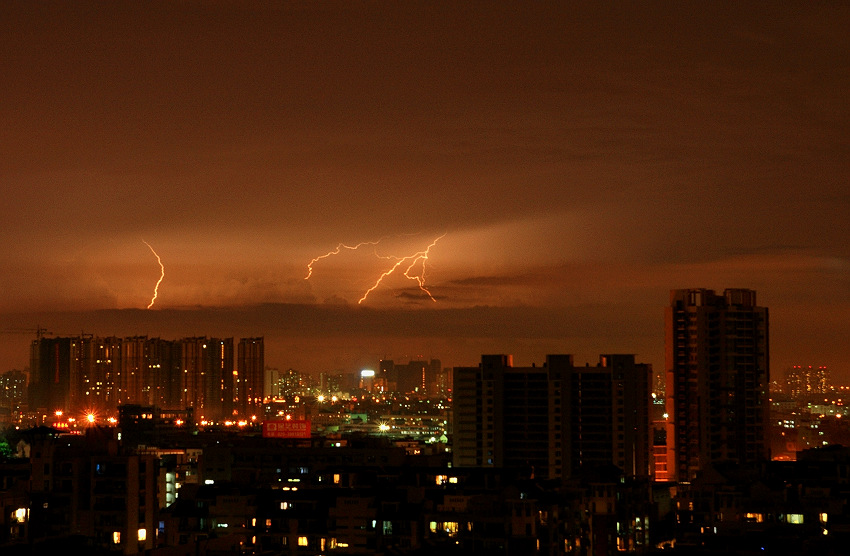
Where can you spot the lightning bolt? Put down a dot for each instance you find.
(336, 251)
(417, 259)
(161, 275)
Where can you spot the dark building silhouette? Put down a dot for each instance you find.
(553, 421)
(249, 394)
(717, 378)
(165, 374)
(50, 375)
(84, 486)
(414, 376)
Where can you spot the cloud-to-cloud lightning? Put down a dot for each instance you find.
(417, 259)
(161, 274)
(336, 251)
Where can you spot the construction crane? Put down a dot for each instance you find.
(38, 331)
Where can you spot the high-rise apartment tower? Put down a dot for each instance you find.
(717, 378)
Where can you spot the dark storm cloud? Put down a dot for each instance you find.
(493, 280)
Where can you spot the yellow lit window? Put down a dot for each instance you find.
(143, 534)
(302, 541)
(116, 537)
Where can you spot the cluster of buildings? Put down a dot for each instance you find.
(83, 374)
(557, 458)
(560, 417)
(807, 411)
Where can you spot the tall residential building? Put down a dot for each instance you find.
(13, 392)
(134, 383)
(208, 377)
(608, 409)
(85, 486)
(250, 378)
(807, 380)
(553, 421)
(50, 375)
(163, 361)
(717, 378)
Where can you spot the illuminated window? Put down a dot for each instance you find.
(143, 534)
(796, 519)
(336, 478)
(824, 518)
(302, 541)
(268, 522)
(21, 515)
(754, 517)
(116, 537)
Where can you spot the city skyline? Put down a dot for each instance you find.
(576, 162)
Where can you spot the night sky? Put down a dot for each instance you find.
(581, 160)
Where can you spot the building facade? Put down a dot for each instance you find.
(553, 421)
(717, 378)
(250, 377)
(802, 381)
